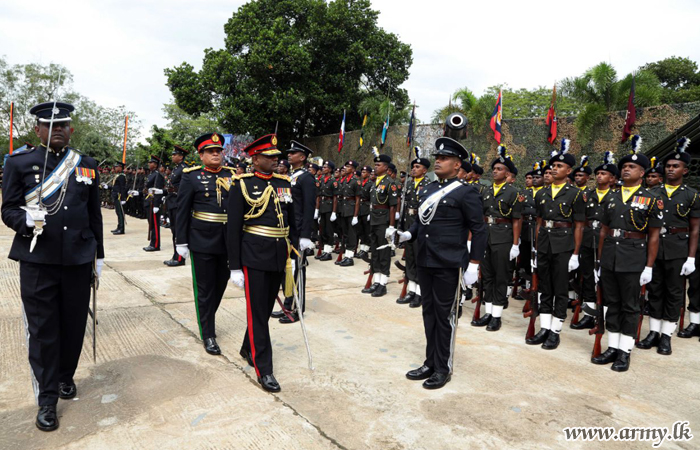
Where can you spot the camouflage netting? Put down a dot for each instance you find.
(526, 139)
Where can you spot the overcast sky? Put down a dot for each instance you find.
(117, 50)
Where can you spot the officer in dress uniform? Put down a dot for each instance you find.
(384, 198)
(363, 228)
(349, 209)
(56, 274)
(418, 182)
(155, 185)
(171, 201)
(262, 243)
(201, 231)
(677, 247)
(596, 202)
(326, 207)
(502, 206)
(449, 210)
(119, 196)
(304, 199)
(560, 220)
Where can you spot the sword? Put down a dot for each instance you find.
(299, 304)
(454, 320)
(93, 313)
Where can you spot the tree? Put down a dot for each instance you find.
(679, 77)
(295, 63)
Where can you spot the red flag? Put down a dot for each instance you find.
(630, 117)
(126, 129)
(341, 137)
(552, 119)
(496, 119)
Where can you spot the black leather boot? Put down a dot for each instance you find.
(539, 338)
(370, 289)
(622, 364)
(586, 323)
(405, 300)
(380, 291)
(552, 341)
(46, 418)
(607, 357)
(416, 302)
(664, 345)
(690, 331)
(483, 321)
(494, 324)
(652, 340)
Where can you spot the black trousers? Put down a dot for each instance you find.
(694, 288)
(261, 289)
(120, 214)
(153, 225)
(364, 229)
(349, 235)
(586, 267)
(326, 228)
(55, 301)
(621, 291)
(411, 267)
(381, 259)
(438, 288)
(496, 272)
(666, 290)
(210, 275)
(553, 280)
(302, 287)
(172, 214)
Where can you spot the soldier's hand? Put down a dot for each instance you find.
(155, 210)
(354, 221)
(389, 233)
(237, 278)
(123, 202)
(404, 236)
(471, 274)
(688, 267)
(596, 275)
(514, 252)
(33, 215)
(573, 263)
(182, 250)
(305, 244)
(533, 262)
(316, 214)
(98, 267)
(369, 217)
(397, 216)
(333, 217)
(645, 277)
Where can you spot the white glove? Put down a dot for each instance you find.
(135, 194)
(123, 202)
(533, 262)
(596, 275)
(404, 236)
(514, 252)
(155, 210)
(469, 246)
(369, 217)
(305, 244)
(182, 250)
(157, 191)
(237, 278)
(471, 275)
(389, 233)
(354, 221)
(98, 266)
(294, 265)
(333, 217)
(645, 277)
(33, 216)
(688, 267)
(573, 263)
(397, 215)
(316, 214)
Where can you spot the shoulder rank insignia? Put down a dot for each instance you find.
(191, 169)
(281, 177)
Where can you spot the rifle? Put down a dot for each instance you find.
(642, 299)
(681, 323)
(578, 302)
(516, 279)
(478, 298)
(599, 327)
(534, 310)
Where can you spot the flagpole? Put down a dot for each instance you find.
(12, 110)
(126, 130)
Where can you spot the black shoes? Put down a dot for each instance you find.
(622, 363)
(151, 249)
(652, 340)
(269, 383)
(494, 324)
(117, 231)
(420, 373)
(483, 321)
(405, 300)
(277, 314)
(247, 356)
(437, 380)
(607, 357)
(325, 257)
(211, 346)
(346, 262)
(664, 345)
(286, 319)
(416, 302)
(67, 390)
(309, 252)
(691, 330)
(360, 254)
(586, 323)
(46, 418)
(174, 262)
(370, 289)
(552, 341)
(380, 291)
(539, 338)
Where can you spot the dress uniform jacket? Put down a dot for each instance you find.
(349, 188)
(568, 206)
(327, 189)
(175, 179)
(157, 181)
(595, 208)
(412, 202)
(383, 195)
(304, 196)
(529, 214)
(677, 212)
(119, 188)
(506, 204)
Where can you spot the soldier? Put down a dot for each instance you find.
(202, 199)
(155, 185)
(448, 212)
(262, 235)
(560, 219)
(119, 196)
(304, 198)
(283, 167)
(502, 206)
(676, 255)
(178, 157)
(630, 241)
(241, 168)
(465, 172)
(547, 177)
(349, 192)
(419, 167)
(596, 202)
(364, 214)
(326, 206)
(582, 174)
(529, 217)
(384, 198)
(654, 176)
(55, 276)
(528, 180)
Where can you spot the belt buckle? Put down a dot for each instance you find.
(663, 230)
(490, 220)
(595, 224)
(549, 224)
(617, 232)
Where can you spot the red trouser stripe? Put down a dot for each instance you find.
(249, 315)
(156, 226)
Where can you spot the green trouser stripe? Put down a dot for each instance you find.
(196, 299)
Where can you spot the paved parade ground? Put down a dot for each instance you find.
(153, 385)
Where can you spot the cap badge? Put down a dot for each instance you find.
(677, 155)
(55, 110)
(634, 157)
(442, 146)
(561, 157)
(214, 138)
(501, 159)
(274, 140)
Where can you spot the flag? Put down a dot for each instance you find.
(362, 132)
(12, 110)
(126, 129)
(630, 117)
(341, 137)
(552, 118)
(409, 138)
(496, 119)
(385, 128)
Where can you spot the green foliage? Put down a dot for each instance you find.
(679, 77)
(296, 62)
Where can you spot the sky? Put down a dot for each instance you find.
(117, 50)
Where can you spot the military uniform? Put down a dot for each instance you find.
(411, 203)
(327, 191)
(155, 185)
(118, 198)
(364, 217)
(348, 192)
(171, 201)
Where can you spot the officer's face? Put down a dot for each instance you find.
(265, 163)
(296, 159)
(212, 157)
(631, 173)
(152, 166)
(581, 179)
(604, 178)
(418, 171)
(118, 169)
(326, 170)
(177, 158)
(60, 134)
(528, 181)
(548, 176)
(499, 173)
(380, 168)
(365, 174)
(537, 180)
(675, 170)
(447, 166)
(653, 179)
(463, 174)
(560, 171)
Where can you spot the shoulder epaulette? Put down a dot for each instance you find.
(191, 169)
(23, 152)
(281, 177)
(229, 168)
(243, 175)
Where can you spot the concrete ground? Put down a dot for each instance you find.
(153, 385)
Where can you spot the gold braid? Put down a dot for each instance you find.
(571, 210)
(678, 209)
(261, 202)
(646, 219)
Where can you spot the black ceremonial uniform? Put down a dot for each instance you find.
(411, 203)
(172, 203)
(155, 185)
(364, 225)
(327, 190)
(383, 195)
(529, 227)
(119, 196)
(201, 224)
(349, 190)
(55, 278)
